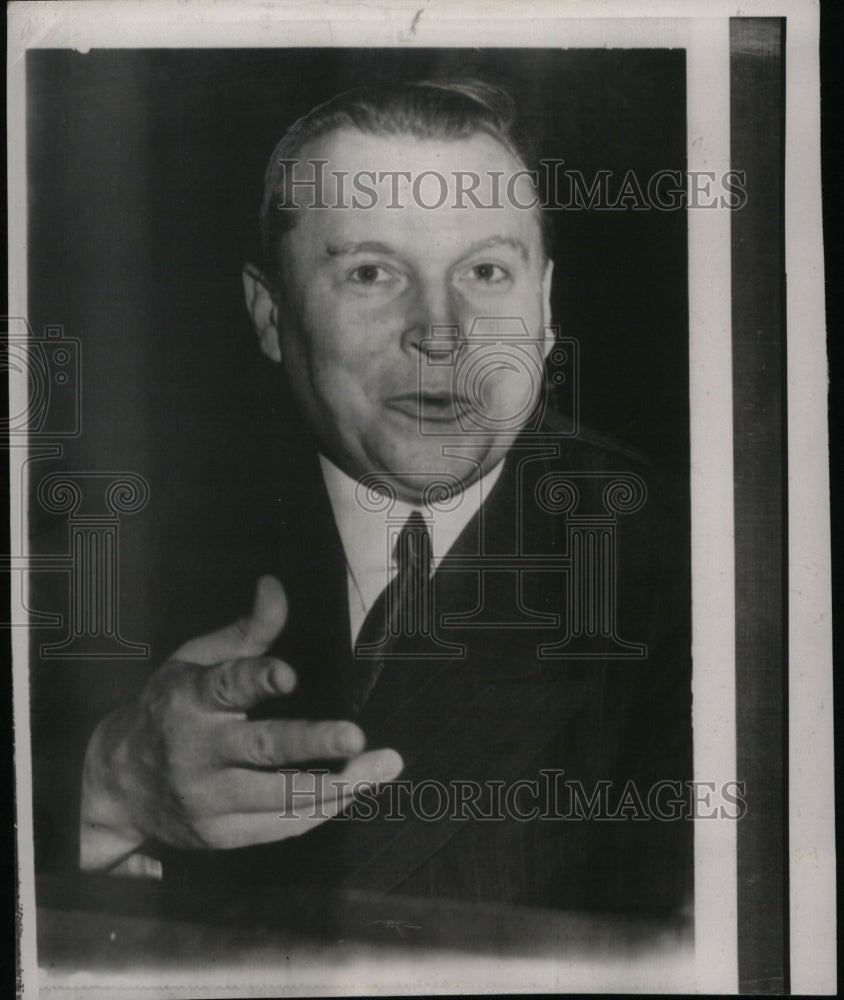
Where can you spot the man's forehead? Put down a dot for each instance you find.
(357, 191)
(347, 148)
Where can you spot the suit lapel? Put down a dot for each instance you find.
(480, 717)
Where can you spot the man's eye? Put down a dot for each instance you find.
(370, 274)
(489, 274)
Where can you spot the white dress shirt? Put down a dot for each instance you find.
(365, 533)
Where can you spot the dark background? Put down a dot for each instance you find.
(145, 172)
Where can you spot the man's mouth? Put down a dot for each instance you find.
(434, 407)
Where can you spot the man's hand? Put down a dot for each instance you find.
(185, 766)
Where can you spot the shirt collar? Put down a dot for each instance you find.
(364, 532)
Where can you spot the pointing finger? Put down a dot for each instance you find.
(373, 767)
(314, 793)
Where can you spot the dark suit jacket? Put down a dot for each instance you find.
(498, 712)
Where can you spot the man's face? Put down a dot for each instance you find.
(364, 290)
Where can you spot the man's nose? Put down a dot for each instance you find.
(434, 314)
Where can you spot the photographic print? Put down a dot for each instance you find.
(401, 439)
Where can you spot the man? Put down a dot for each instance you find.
(445, 603)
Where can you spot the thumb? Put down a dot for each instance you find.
(251, 635)
(261, 627)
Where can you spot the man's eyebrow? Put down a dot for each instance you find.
(373, 246)
(368, 246)
(495, 241)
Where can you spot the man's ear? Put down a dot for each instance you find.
(550, 339)
(263, 310)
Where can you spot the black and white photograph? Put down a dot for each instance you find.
(407, 433)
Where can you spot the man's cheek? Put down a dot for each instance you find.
(503, 380)
(344, 394)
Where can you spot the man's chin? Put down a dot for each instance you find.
(432, 476)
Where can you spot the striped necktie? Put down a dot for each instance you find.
(402, 611)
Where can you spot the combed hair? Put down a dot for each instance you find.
(456, 108)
